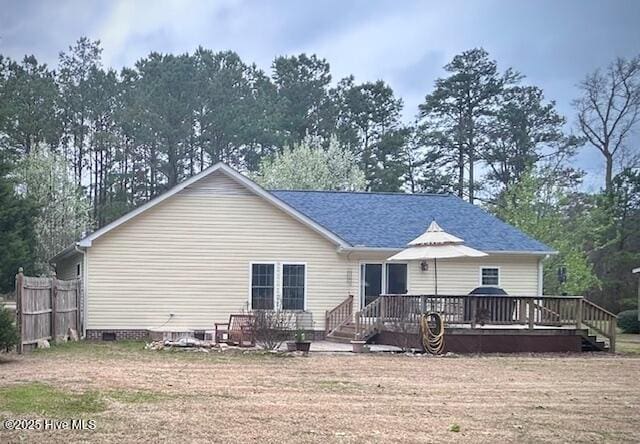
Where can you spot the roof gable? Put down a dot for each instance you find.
(190, 184)
(392, 220)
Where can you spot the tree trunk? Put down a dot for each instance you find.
(608, 180)
(460, 172)
(472, 161)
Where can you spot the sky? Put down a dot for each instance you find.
(405, 43)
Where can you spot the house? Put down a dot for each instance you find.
(218, 244)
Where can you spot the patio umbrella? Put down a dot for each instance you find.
(435, 243)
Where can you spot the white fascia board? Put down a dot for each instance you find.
(233, 174)
(522, 253)
(496, 252)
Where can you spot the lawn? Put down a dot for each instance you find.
(136, 395)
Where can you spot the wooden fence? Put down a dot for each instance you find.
(46, 308)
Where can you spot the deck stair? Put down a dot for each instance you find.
(343, 333)
(593, 343)
(339, 326)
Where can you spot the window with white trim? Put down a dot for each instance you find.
(293, 286)
(262, 286)
(490, 276)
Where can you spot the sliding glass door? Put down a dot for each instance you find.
(378, 278)
(371, 282)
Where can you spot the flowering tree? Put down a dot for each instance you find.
(310, 166)
(63, 210)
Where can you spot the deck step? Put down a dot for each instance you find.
(593, 343)
(339, 339)
(344, 333)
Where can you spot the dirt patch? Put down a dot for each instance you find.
(235, 397)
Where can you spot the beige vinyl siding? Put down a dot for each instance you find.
(518, 274)
(189, 256)
(67, 268)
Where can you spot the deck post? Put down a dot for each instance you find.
(579, 314)
(357, 321)
(383, 312)
(612, 334)
(473, 310)
(532, 314)
(327, 329)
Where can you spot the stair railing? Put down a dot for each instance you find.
(339, 315)
(369, 320)
(600, 321)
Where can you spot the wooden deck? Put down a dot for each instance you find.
(511, 316)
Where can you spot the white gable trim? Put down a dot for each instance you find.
(236, 176)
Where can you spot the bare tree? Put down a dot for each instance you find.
(610, 108)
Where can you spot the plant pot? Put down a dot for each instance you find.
(303, 346)
(292, 346)
(359, 346)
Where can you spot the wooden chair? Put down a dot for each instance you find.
(240, 330)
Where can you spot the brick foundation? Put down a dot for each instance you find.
(120, 335)
(144, 335)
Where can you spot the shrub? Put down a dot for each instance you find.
(628, 321)
(8, 333)
(272, 328)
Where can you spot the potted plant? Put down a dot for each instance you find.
(291, 345)
(301, 343)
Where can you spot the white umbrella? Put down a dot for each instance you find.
(435, 243)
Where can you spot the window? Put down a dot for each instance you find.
(490, 276)
(396, 278)
(293, 286)
(262, 279)
(78, 270)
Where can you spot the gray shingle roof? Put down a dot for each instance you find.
(391, 220)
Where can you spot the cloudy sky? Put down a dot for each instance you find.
(406, 43)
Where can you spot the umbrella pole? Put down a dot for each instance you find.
(435, 270)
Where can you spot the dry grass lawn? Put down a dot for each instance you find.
(150, 396)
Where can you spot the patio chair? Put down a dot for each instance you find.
(240, 330)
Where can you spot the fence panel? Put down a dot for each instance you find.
(46, 308)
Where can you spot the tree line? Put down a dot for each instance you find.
(115, 139)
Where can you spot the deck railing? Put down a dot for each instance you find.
(369, 320)
(339, 315)
(473, 310)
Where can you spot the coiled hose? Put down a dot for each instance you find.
(432, 339)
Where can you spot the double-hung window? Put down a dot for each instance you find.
(490, 276)
(262, 286)
(293, 286)
(291, 292)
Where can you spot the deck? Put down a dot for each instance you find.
(484, 323)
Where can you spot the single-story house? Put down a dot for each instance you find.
(218, 244)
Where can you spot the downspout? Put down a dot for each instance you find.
(85, 283)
